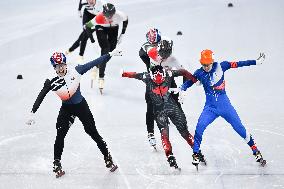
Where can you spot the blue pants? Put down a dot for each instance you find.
(215, 107)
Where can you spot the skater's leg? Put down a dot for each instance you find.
(149, 114)
(232, 117)
(87, 119)
(109, 45)
(179, 120)
(102, 36)
(76, 44)
(162, 124)
(64, 120)
(112, 37)
(207, 117)
(83, 44)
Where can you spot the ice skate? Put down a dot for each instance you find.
(94, 75)
(57, 169)
(67, 52)
(201, 158)
(101, 84)
(195, 160)
(259, 158)
(152, 140)
(172, 162)
(109, 163)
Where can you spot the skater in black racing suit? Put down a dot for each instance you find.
(158, 82)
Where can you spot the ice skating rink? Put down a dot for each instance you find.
(32, 30)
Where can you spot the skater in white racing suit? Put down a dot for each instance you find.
(66, 84)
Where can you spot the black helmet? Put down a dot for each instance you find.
(108, 10)
(165, 48)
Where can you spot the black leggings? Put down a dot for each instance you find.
(107, 38)
(66, 117)
(83, 37)
(172, 111)
(150, 117)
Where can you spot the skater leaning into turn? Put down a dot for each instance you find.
(92, 8)
(66, 84)
(158, 81)
(107, 24)
(211, 76)
(148, 54)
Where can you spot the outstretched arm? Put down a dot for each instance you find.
(134, 75)
(189, 83)
(81, 69)
(185, 73)
(228, 65)
(46, 88)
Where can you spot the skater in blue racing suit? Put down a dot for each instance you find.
(211, 76)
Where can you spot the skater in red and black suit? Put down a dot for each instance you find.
(150, 56)
(158, 82)
(66, 84)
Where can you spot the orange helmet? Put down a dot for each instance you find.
(206, 57)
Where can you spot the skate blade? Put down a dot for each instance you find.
(60, 174)
(113, 168)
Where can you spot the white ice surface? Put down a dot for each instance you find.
(31, 30)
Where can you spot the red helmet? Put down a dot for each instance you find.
(153, 35)
(57, 58)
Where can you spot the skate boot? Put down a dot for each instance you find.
(172, 162)
(195, 159)
(67, 52)
(109, 163)
(94, 73)
(259, 158)
(152, 140)
(201, 158)
(57, 168)
(101, 84)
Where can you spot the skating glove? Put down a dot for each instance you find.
(30, 120)
(181, 93)
(119, 39)
(116, 52)
(121, 71)
(175, 90)
(181, 96)
(260, 59)
(80, 14)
